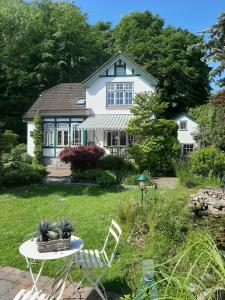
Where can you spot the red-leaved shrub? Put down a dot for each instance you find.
(82, 157)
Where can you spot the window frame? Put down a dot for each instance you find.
(187, 151)
(119, 92)
(62, 130)
(72, 138)
(183, 122)
(48, 134)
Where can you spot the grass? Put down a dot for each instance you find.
(91, 209)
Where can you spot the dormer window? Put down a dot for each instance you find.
(119, 93)
(183, 125)
(120, 71)
(81, 101)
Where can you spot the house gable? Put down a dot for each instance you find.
(120, 65)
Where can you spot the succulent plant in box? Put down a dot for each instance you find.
(66, 229)
(44, 228)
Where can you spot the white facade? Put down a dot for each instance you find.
(96, 94)
(187, 128)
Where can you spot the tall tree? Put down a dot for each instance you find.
(163, 52)
(214, 47)
(41, 44)
(156, 142)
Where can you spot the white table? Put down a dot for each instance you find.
(29, 250)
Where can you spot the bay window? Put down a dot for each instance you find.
(119, 93)
(48, 134)
(62, 134)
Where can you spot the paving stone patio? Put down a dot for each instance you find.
(13, 280)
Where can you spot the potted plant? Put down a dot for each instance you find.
(54, 236)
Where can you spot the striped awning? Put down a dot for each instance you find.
(106, 122)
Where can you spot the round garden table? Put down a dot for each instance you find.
(29, 250)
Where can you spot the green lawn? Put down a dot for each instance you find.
(91, 209)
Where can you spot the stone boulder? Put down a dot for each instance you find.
(208, 201)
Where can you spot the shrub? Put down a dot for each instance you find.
(82, 157)
(208, 162)
(21, 148)
(9, 140)
(88, 176)
(18, 177)
(115, 163)
(106, 178)
(16, 168)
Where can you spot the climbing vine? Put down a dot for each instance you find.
(37, 136)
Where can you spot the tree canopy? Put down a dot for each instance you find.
(163, 52)
(43, 43)
(214, 48)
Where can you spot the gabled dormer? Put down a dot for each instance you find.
(112, 87)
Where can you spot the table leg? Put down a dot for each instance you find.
(29, 264)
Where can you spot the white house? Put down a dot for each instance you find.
(187, 127)
(94, 112)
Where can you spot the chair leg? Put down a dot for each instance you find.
(95, 283)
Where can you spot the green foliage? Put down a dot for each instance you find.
(17, 168)
(43, 43)
(38, 138)
(156, 141)
(210, 118)
(85, 176)
(106, 178)
(115, 163)
(213, 46)
(9, 140)
(163, 52)
(184, 174)
(188, 179)
(208, 162)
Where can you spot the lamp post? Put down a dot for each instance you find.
(142, 181)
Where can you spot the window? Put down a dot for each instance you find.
(119, 93)
(75, 135)
(120, 71)
(62, 134)
(187, 149)
(118, 138)
(48, 134)
(183, 125)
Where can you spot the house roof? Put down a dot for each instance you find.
(59, 99)
(106, 122)
(127, 60)
(186, 115)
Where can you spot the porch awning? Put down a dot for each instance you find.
(106, 122)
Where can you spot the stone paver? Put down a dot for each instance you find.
(13, 280)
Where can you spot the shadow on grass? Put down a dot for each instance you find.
(64, 190)
(117, 285)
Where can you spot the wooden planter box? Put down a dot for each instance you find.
(53, 245)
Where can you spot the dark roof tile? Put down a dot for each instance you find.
(61, 97)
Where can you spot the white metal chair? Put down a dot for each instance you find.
(89, 260)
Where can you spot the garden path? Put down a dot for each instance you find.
(12, 280)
